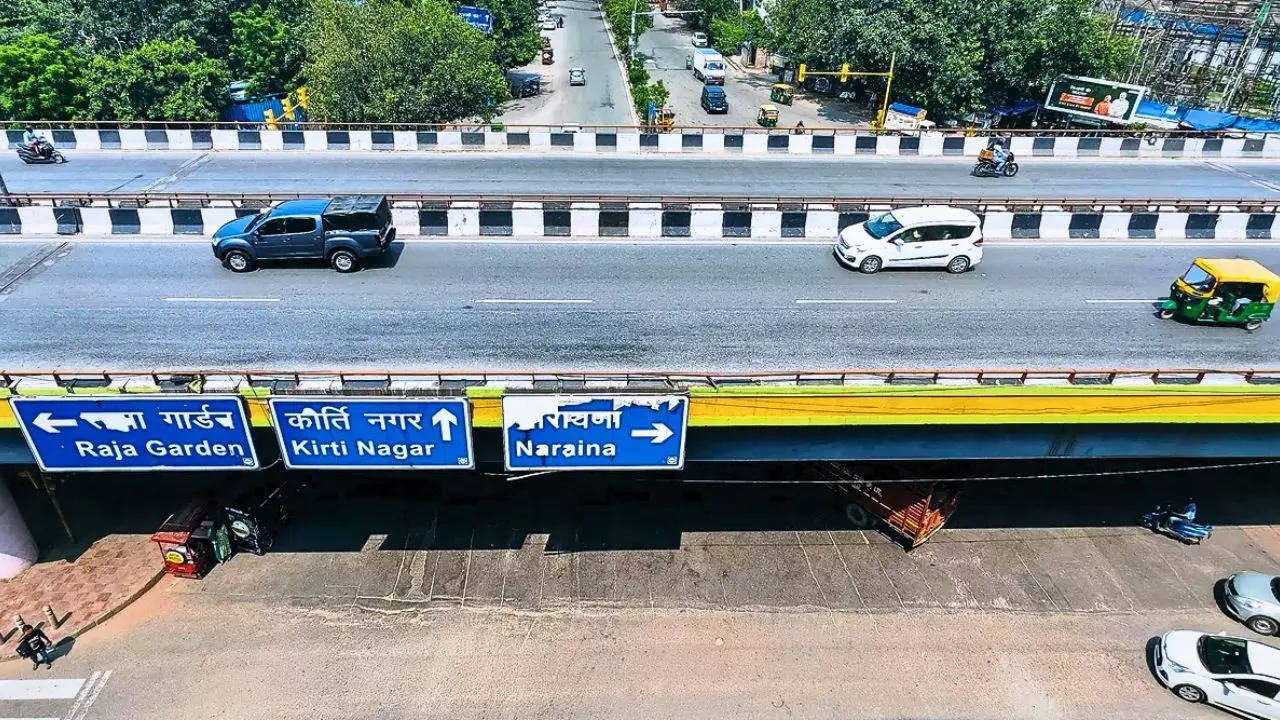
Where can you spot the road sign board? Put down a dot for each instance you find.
(388, 433)
(478, 18)
(594, 432)
(137, 432)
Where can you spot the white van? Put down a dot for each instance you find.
(708, 66)
(928, 236)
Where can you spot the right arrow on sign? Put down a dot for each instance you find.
(658, 434)
(446, 420)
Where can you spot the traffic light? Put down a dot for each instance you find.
(844, 73)
(286, 108)
(303, 101)
(269, 117)
(800, 73)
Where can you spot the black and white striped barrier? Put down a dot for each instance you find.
(650, 220)
(706, 141)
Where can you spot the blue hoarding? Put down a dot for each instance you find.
(388, 433)
(123, 432)
(596, 432)
(478, 18)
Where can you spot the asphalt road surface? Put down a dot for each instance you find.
(582, 42)
(717, 307)
(565, 173)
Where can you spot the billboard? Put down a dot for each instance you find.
(1096, 99)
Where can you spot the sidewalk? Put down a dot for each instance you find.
(109, 575)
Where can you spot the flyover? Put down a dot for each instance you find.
(572, 174)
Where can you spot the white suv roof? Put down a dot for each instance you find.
(935, 214)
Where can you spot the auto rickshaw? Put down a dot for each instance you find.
(767, 117)
(782, 93)
(666, 118)
(1227, 291)
(548, 56)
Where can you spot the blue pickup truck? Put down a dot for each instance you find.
(345, 231)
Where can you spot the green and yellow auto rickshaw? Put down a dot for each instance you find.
(782, 93)
(767, 117)
(1227, 291)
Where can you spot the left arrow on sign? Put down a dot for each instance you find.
(446, 420)
(45, 422)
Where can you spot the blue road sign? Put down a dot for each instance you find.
(137, 432)
(478, 18)
(388, 433)
(596, 432)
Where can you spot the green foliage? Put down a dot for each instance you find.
(264, 50)
(728, 34)
(122, 25)
(390, 61)
(713, 10)
(40, 80)
(954, 56)
(162, 80)
(642, 91)
(515, 31)
(617, 15)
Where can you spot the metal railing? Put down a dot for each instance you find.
(411, 381)
(570, 126)
(498, 201)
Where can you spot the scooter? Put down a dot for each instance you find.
(47, 154)
(1180, 526)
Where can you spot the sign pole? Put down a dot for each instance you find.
(884, 105)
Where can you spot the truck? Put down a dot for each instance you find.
(345, 231)
(708, 66)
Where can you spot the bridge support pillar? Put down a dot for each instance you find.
(17, 548)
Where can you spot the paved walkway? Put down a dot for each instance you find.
(110, 574)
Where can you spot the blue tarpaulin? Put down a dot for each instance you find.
(1197, 119)
(1249, 124)
(253, 111)
(905, 109)
(1022, 107)
(1160, 111)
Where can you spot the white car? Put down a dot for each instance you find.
(1233, 673)
(928, 236)
(548, 24)
(699, 39)
(577, 76)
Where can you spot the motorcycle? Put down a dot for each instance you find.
(1180, 526)
(986, 166)
(46, 154)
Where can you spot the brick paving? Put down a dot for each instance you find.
(107, 576)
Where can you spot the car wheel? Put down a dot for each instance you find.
(871, 264)
(958, 265)
(1165, 314)
(238, 261)
(1262, 625)
(344, 261)
(1190, 693)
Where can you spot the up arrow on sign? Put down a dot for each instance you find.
(446, 420)
(658, 434)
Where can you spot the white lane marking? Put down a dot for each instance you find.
(220, 300)
(87, 698)
(534, 301)
(62, 689)
(858, 301)
(1148, 301)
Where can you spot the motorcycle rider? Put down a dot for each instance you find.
(31, 140)
(999, 156)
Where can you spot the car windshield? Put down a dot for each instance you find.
(884, 226)
(1275, 588)
(1224, 655)
(257, 220)
(1197, 278)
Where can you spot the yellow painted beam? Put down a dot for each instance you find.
(921, 405)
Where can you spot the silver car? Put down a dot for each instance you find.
(1254, 599)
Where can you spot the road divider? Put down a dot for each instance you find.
(648, 218)
(623, 140)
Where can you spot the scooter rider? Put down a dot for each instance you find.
(31, 140)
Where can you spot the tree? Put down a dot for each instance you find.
(40, 80)
(162, 80)
(265, 51)
(123, 25)
(953, 56)
(515, 31)
(713, 10)
(387, 61)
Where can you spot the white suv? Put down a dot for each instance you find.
(928, 236)
(1233, 673)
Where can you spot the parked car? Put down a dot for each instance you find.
(928, 236)
(548, 24)
(577, 76)
(343, 230)
(699, 39)
(524, 84)
(714, 100)
(1254, 599)
(1233, 673)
